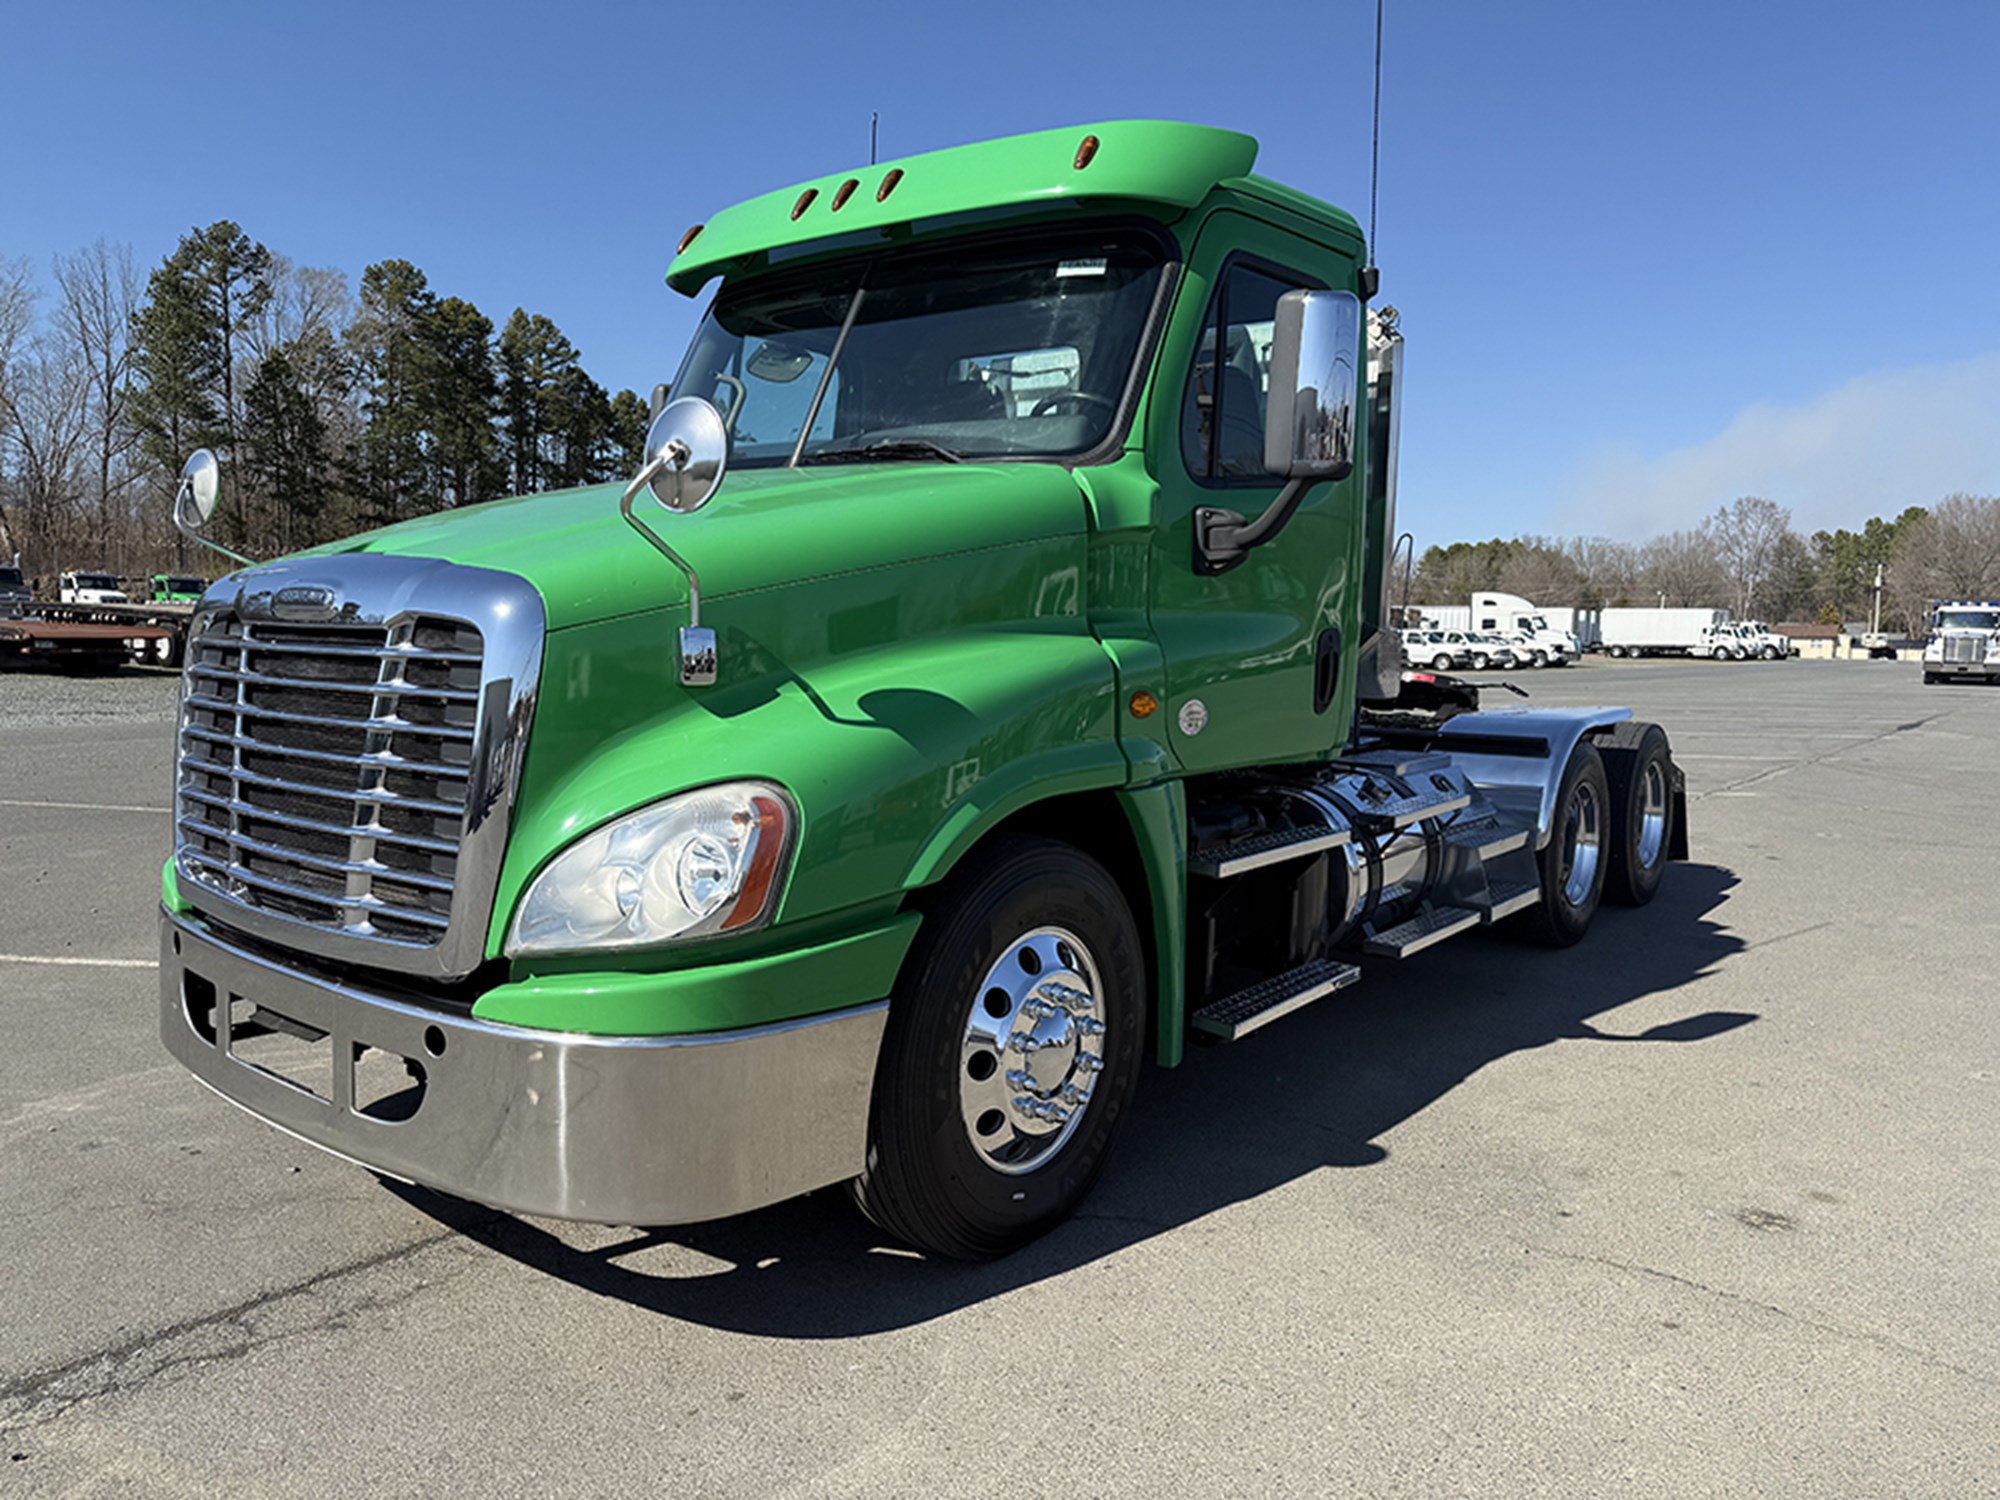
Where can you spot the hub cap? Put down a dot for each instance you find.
(1583, 836)
(1652, 814)
(1034, 1045)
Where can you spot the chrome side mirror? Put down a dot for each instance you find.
(194, 500)
(1315, 381)
(687, 450)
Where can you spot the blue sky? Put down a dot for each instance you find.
(1649, 257)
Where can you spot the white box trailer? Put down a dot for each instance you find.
(1667, 632)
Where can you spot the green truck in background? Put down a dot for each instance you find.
(986, 682)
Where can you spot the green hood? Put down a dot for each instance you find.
(764, 529)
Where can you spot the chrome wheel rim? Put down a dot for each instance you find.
(1583, 841)
(1652, 814)
(1032, 1051)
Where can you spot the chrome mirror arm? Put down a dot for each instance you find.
(181, 524)
(697, 644)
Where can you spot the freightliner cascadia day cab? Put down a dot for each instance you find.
(984, 684)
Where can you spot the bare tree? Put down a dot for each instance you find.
(17, 313)
(94, 319)
(1610, 570)
(1953, 552)
(1682, 568)
(1747, 535)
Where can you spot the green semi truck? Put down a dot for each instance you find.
(986, 682)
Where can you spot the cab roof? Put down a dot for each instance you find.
(1144, 162)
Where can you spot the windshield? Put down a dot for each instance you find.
(10, 578)
(1969, 619)
(182, 585)
(1004, 348)
(96, 581)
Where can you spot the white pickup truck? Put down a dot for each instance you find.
(76, 587)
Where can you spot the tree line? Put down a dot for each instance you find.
(1748, 559)
(330, 410)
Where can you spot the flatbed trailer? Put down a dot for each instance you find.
(98, 636)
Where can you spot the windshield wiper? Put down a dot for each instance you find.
(888, 448)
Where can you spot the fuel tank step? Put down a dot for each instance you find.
(1265, 849)
(1432, 925)
(1505, 897)
(1380, 806)
(1488, 840)
(1239, 1014)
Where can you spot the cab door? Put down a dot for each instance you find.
(1257, 659)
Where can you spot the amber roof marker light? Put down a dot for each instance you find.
(842, 193)
(805, 201)
(688, 238)
(1085, 152)
(888, 185)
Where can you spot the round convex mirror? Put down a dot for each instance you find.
(691, 446)
(199, 483)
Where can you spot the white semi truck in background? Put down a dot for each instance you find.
(1965, 640)
(1671, 632)
(1515, 620)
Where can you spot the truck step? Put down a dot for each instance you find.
(1393, 762)
(1487, 839)
(1505, 897)
(1266, 849)
(1239, 1014)
(1432, 925)
(1395, 810)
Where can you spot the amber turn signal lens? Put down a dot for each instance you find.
(805, 201)
(688, 238)
(1143, 704)
(888, 185)
(1085, 152)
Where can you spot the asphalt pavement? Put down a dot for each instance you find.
(1709, 1204)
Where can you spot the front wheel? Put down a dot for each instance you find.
(1540, 659)
(1572, 864)
(1769, 653)
(1011, 1052)
(1440, 663)
(1479, 661)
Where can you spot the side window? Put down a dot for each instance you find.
(1222, 418)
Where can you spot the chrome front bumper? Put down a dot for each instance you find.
(1963, 668)
(612, 1130)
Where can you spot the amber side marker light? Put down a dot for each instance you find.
(805, 201)
(1085, 152)
(842, 193)
(1143, 704)
(888, 185)
(688, 238)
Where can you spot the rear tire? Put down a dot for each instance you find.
(1639, 772)
(1027, 938)
(1572, 863)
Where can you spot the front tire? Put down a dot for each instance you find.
(1440, 663)
(1572, 863)
(1011, 1052)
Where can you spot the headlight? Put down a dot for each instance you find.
(702, 863)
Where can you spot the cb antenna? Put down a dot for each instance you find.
(875, 119)
(1375, 161)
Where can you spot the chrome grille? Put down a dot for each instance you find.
(1964, 648)
(324, 769)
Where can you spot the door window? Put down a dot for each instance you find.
(1222, 419)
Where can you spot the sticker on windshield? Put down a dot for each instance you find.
(1081, 268)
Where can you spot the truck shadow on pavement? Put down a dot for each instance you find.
(1315, 1091)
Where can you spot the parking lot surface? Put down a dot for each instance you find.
(1709, 1204)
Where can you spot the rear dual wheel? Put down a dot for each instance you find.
(1639, 771)
(1571, 865)
(1011, 1052)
